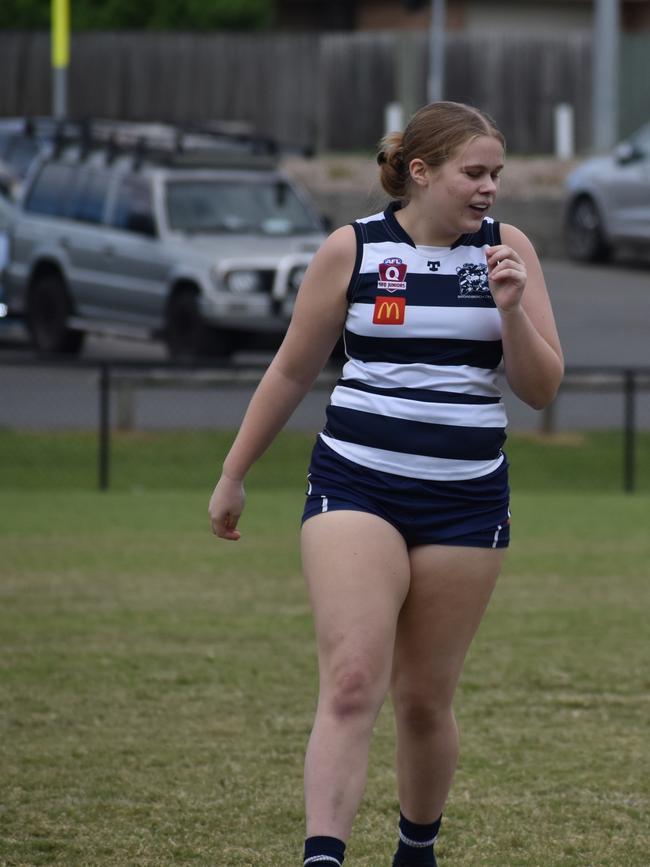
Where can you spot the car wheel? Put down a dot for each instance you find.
(48, 312)
(585, 238)
(187, 335)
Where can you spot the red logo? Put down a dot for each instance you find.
(389, 311)
(392, 275)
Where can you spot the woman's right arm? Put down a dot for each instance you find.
(316, 324)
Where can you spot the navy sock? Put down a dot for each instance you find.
(325, 851)
(415, 847)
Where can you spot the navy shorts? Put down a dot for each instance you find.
(473, 513)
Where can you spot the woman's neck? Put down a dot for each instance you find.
(422, 229)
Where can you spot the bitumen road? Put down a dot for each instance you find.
(603, 315)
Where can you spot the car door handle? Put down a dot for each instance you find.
(108, 250)
(64, 242)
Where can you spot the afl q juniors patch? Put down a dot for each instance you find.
(418, 395)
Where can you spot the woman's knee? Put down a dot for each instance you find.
(353, 691)
(423, 714)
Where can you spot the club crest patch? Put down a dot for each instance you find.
(392, 275)
(473, 281)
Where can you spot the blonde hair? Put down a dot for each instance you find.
(433, 135)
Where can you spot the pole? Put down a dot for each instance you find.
(436, 81)
(629, 432)
(607, 25)
(60, 57)
(104, 426)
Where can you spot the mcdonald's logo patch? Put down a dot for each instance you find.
(389, 311)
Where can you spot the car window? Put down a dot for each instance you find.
(20, 153)
(268, 206)
(52, 190)
(90, 197)
(641, 139)
(133, 208)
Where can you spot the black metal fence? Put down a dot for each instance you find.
(125, 377)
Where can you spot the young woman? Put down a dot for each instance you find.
(406, 518)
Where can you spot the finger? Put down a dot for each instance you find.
(502, 273)
(226, 527)
(494, 254)
(501, 253)
(223, 532)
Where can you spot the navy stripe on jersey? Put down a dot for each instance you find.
(408, 350)
(422, 438)
(420, 292)
(421, 394)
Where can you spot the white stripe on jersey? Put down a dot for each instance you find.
(461, 414)
(378, 216)
(416, 466)
(475, 323)
(461, 379)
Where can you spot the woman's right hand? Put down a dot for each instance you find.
(226, 506)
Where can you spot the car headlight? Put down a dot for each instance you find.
(243, 282)
(296, 277)
(4, 310)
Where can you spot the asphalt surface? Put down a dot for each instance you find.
(603, 315)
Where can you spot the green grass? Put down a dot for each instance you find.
(190, 460)
(157, 686)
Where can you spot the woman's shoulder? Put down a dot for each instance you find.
(340, 246)
(512, 235)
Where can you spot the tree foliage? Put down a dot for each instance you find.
(143, 15)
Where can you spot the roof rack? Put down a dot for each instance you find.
(213, 143)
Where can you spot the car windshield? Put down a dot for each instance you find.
(641, 139)
(269, 207)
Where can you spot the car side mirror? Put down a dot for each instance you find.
(626, 152)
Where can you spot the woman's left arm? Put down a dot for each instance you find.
(532, 353)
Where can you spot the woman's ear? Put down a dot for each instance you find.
(419, 172)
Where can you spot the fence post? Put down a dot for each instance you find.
(104, 425)
(629, 432)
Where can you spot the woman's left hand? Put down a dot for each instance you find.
(507, 276)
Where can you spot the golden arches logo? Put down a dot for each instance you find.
(389, 311)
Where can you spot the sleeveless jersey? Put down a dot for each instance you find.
(418, 394)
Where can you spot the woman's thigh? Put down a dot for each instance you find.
(358, 573)
(448, 594)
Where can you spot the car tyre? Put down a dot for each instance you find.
(585, 237)
(188, 337)
(48, 312)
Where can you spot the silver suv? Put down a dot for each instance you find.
(204, 246)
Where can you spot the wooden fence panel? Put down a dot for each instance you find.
(325, 90)
(634, 89)
(358, 82)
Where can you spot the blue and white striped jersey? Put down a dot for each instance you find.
(418, 395)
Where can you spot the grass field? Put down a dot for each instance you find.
(157, 686)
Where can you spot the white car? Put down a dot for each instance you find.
(608, 200)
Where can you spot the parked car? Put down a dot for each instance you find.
(608, 200)
(7, 212)
(204, 246)
(22, 139)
